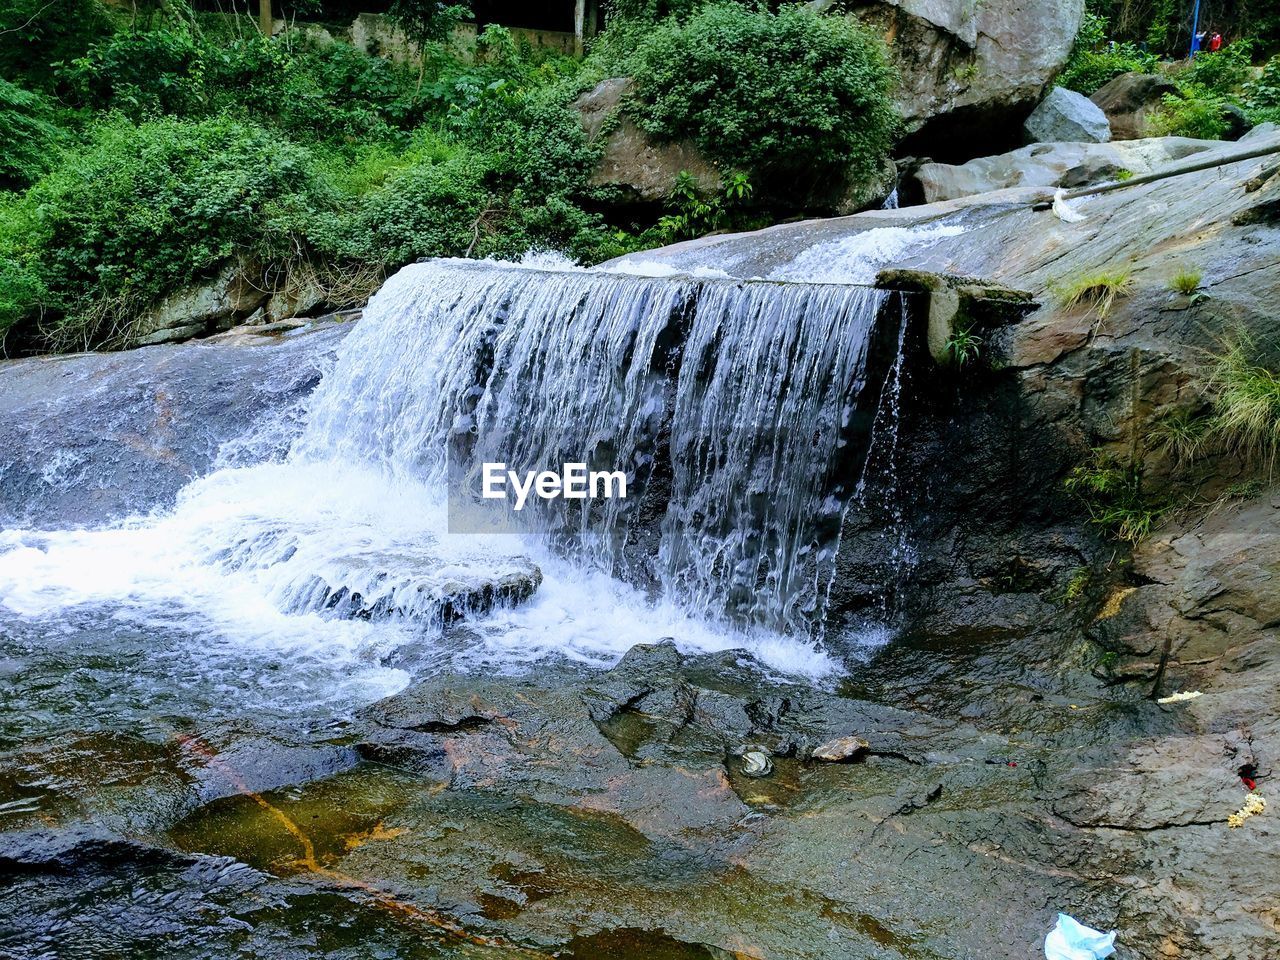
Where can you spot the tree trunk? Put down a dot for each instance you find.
(264, 17)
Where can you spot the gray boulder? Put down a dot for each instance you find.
(205, 307)
(1262, 131)
(1129, 101)
(1054, 165)
(963, 62)
(646, 170)
(1065, 116)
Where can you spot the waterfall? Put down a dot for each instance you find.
(741, 412)
(745, 393)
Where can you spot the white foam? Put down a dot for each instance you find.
(858, 257)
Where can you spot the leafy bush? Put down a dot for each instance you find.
(430, 209)
(29, 135)
(141, 74)
(147, 208)
(650, 10)
(330, 92)
(21, 290)
(1192, 112)
(1262, 96)
(1223, 72)
(36, 34)
(1094, 62)
(792, 95)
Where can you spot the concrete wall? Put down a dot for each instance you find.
(375, 34)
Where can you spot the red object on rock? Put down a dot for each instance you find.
(1249, 783)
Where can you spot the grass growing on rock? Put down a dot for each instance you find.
(1097, 293)
(1246, 402)
(1181, 436)
(1114, 496)
(1186, 282)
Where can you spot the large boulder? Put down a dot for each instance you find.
(642, 168)
(964, 63)
(1065, 116)
(1052, 165)
(201, 308)
(645, 169)
(1129, 101)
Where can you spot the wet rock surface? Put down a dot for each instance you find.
(483, 813)
(161, 417)
(997, 563)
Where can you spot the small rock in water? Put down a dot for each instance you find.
(840, 750)
(756, 764)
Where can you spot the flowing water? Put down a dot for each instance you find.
(744, 396)
(332, 550)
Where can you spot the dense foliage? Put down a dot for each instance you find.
(148, 146)
(147, 207)
(29, 133)
(787, 95)
(1164, 26)
(1217, 91)
(1095, 61)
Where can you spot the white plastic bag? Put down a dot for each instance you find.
(1070, 940)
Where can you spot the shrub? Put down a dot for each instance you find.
(29, 134)
(147, 208)
(21, 290)
(791, 96)
(1223, 72)
(1194, 112)
(431, 209)
(36, 34)
(1262, 96)
(329, 92)
(1094, 62)
(141, 74)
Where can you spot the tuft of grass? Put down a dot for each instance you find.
(1182, 435)
(1186, 282)
(963, 346)
(1113, 495)
(1246, 401)
(1097, 292)
(1076, 586)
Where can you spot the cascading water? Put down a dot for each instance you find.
(740, 410)
(759, 383)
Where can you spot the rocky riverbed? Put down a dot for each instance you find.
(166, 794)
